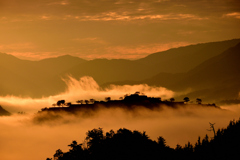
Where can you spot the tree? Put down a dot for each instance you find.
(60, 102)
(79, 101)
(94, 138)
(137, 92)
(212, 128)
(68, 104)
(92, 100)
(86, 101)
(161, 142)
(58, 154)
(110, 134)
(186, 99)
(172, 99)
(108, 98)
(199, 101)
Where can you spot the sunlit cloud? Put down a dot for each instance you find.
(35, 55)
(85, 88)
(59, 3)
(17, 46)
(136, 52)
(3, 18)
(127, 16)
(45, 17)
(115, 16)
(90, 40)
(233, 15)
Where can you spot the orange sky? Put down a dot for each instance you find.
(112, 29)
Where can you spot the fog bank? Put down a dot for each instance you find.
(23, 138)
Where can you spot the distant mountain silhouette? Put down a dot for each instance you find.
(103, 70)
(44, 77)
(175, 60)
(184, 59)
(218, 77)
(34, 78)
(215, 79)
(4, 112)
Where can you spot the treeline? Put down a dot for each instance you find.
(131, 145)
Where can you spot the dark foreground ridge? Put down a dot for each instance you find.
(130, 145)
(4, 112)
(130, 102)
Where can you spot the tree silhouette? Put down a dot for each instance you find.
(58, 154)
(137, 92)
(92, 100)
(172, 99)
(186, 99)
(60, 102)
(212, 128)
(161, 142)
(128, 145)
(68, 104)
(199, 101)
(79, 101)
(86, 101)
(108, 98)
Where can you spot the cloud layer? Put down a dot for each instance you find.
(83, 89)
(93, 29)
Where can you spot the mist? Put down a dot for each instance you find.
(25, 137)
(83, 89)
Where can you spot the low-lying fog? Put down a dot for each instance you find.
(23, 138)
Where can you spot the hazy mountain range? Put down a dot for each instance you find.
(209, 70)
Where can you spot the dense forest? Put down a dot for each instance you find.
(126, 144)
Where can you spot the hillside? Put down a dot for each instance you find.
(33, 78)
(174, 60)
(218, 76)
(3, 112)
(184, 59)
(103, 70)
(127, 144)
(215, 79)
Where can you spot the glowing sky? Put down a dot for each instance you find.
(37, 29)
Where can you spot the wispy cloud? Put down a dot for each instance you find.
(127, 16)
(130, 52)
(66, 2)
(17, 46)
(45, 17)
(113, 28)
(233, 15)
(35, 55)
(84, 88)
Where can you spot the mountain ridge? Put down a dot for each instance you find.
(44, 77)
(217, 77)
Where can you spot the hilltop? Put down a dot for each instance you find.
(129, 102)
